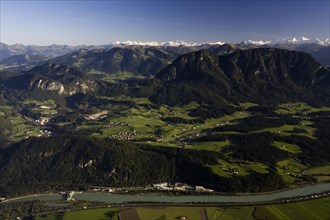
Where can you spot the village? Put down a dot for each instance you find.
(183, 187)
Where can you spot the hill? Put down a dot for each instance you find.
(66, 163)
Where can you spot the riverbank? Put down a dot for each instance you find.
(28, 197)
(301, 192)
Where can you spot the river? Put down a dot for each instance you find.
(161, 198)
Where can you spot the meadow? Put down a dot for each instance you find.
(317, 209)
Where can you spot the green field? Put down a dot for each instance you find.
(248, 104)
(169, 213)
(105, 213)
(290, 170)
(286, 130)
(292, 148)
(23, 127)
(211, 145)
(325, 170)
(317, 209)
(91, 214)
(320, 173)
(50, 217)
(298, 107)
(234, 168)
(119, 76)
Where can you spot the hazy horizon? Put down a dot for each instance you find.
(102, 22)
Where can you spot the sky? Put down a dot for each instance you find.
(102, 22)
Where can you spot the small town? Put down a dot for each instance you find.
(183, 187)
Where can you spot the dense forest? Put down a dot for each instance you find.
(73, 162)
(77, 162)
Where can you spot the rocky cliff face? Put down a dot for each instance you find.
(58, 78)
(76, 86)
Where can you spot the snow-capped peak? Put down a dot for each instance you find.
(301, 40)
(176, 43)
(325, 42)
(215, 43)
(256, 42)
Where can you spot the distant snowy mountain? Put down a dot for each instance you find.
(292, 40)
(302, 40)
(180, 47)
(255, 42)
(163, 44)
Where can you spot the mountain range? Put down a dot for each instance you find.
(58, 50)
(143, 60)
(221, 75)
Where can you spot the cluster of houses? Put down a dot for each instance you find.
(69, 196)
(47, 106)
(230, 170)
(42, 120)
(181, 142)
(108, 189)
(126, 135)
(96, 116)
(182, 187)
(44, 133)
(87, 164)
(114, 124)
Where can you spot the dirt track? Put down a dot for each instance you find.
(128, 214)
(203, 214)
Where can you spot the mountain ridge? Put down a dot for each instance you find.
(256, 75)
(140, 60)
